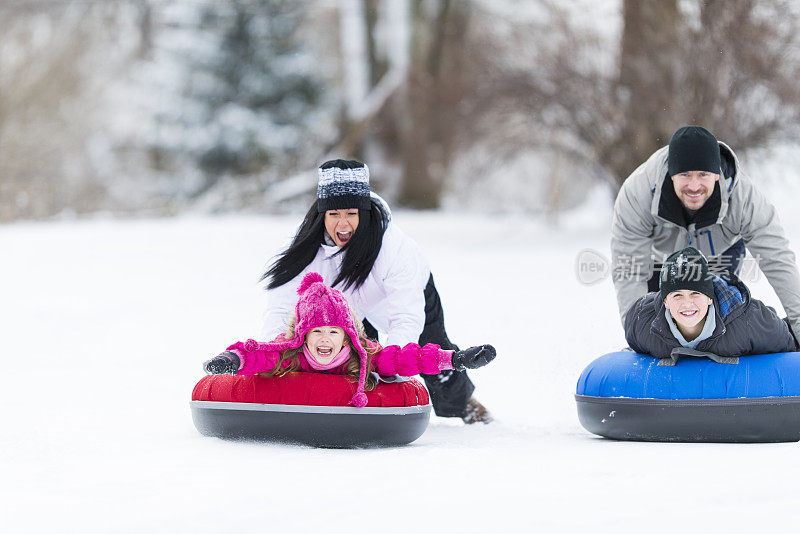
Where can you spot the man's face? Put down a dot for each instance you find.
(694, 187)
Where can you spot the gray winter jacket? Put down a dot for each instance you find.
(650, 224)
(744, 325)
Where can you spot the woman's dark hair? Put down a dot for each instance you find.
(359, 253)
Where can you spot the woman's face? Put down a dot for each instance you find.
(325, 342)
(688, 308)
(341, 225)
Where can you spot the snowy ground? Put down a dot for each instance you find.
(105, 324)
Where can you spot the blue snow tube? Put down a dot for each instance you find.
(631, 396)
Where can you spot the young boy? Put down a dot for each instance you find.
(698, 310)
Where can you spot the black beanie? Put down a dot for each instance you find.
(686, 269)
(343, 184)
(693, 148)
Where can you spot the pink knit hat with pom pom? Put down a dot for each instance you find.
(320, 305)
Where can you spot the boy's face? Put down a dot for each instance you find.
(693, 188)
(688, 308)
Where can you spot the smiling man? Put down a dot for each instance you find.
(694, 193)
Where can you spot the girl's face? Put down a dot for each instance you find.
(325, 342)
(688, 308)
(341, 225)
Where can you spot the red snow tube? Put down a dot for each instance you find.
(309, 408)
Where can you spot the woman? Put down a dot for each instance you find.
(697, 310)
(349, 238)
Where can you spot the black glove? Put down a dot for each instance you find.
(227, 362)
(473, 357)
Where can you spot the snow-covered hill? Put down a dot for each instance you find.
(105, 325)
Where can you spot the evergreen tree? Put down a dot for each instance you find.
(242, 90)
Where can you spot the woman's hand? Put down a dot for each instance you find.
(473, 357)
(227, 362)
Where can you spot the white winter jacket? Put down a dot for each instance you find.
(391, 297)
(648, 226)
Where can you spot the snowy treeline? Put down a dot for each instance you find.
(158, 106)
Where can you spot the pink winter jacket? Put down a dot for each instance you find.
(389, 361)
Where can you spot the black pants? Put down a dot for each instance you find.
(449, 390)
(723, 265)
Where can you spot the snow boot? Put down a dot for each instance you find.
(475, 412)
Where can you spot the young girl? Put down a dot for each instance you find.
(324, 336)
(698, 310)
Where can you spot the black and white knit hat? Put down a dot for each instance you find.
(343, 184)
(686, 269)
